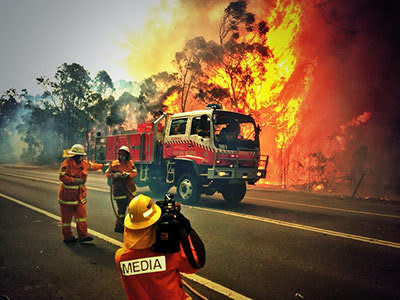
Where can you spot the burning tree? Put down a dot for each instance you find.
(250, 68)
(237, 63)
(130, 110)
(223, 72)
(301, 75)
(188, 65)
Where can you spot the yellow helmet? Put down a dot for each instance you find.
(142, 213)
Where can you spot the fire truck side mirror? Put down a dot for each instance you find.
(258, 129)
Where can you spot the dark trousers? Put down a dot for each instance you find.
(122, 204)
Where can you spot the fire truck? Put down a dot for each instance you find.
(198, 152)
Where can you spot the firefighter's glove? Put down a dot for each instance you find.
(78, 181)
(105, 167)
(184, 222)
(117, 175)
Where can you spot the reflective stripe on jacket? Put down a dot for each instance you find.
(69, 192)
(123, 186)
(143, 281)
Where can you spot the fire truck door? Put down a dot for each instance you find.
(176, 139)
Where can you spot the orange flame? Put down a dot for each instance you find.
(318, 187)
(130, 120)
(171, 103)
(363, 118)
(276, 96)
(269, 95)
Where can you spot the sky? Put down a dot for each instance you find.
(130, 39)
(37, 36)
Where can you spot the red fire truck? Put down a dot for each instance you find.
(198, 152)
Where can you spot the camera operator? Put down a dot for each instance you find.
(149, 261)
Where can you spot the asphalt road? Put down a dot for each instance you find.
(274, 245)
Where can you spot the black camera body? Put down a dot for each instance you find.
(168, 226)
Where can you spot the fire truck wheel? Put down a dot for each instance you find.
(188, 189)
(234, 193)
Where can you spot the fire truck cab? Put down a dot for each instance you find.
(198, 152)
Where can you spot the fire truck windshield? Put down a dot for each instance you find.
(234, 131)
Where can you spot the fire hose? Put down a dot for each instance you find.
(193, 290)
(113, 202)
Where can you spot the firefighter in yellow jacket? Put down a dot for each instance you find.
(121, 173)
(72, 192)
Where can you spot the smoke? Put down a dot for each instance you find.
(352, 46)
(168, 27)
(348, 52)
(11, 145)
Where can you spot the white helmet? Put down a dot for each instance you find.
(77, 149)
(124, 148)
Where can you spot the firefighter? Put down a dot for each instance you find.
(146, 274)
(229, 134)
(72, 192)
(121, 173)
(203, 128)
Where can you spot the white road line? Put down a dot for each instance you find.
(277, 222)
(306, 227)
(57, 218)
(207, 283)
(327, 207)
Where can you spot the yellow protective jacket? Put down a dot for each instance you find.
(123, 186)
(70, 192)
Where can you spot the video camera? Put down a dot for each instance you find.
(173, 230)
(169, 226)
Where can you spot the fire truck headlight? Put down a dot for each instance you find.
(224, 174)
(259, 174)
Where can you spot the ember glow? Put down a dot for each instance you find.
(296, 94)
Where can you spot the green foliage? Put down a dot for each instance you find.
(71, 96)
(10, 105)
(103, 83)
(71, 106)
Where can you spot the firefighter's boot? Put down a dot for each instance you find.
(70, 240)
(86, 239)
